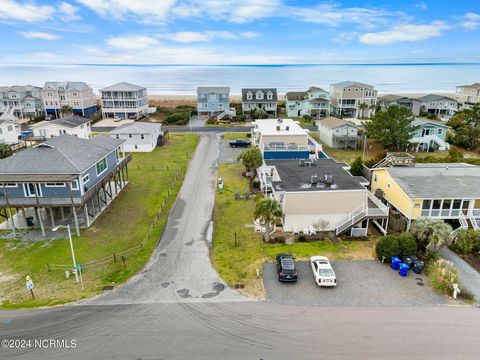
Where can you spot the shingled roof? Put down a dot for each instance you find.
(255, 90)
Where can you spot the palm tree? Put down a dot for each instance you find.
(251, 158)
(431, 235)
(363, 106)
(66, 109)
(261, 114)
(5, 151)
(269, 212)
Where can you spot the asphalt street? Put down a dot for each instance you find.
(179, 308)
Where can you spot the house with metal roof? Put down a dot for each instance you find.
(61, 181)
(284, 139)
(139, 136)
(72, 125)
(352, 99)
(213, 100)
(338, 133)
(23, 101)
(75, 95)
(321, 195)
(314, 102)
(449, 192)
(429, 135)
(259, 99)
(124, 101)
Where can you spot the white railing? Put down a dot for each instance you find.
(350, 219)
(292, 147)
(357, 232)
(473, 219)
(383, 209)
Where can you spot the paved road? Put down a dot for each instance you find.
(360, 283)
(469, 277)
(221, 129)
(248, 330)
(180, 269)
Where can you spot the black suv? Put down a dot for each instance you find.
(286, 268)
(240, 143)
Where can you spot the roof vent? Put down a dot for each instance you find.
(314, 179)
(278, 127)
(287, 128)
(280, 121)
(328, 180)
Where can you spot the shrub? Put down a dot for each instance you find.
(212, 120)
(178, 118)
(466, 242)
(301, 238)
(279, 239)
(356, 167)
(386, 247)
(307, 118)
(443, 275)
(256, 184)
(407, 245)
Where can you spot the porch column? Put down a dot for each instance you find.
(24, 216)
(87, 219)
(52, 217)
(75, 217)
(12, 221)
(39, 217)
(62, 213)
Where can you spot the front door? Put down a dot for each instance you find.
(32, 189)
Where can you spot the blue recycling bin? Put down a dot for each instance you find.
(395, 262)
(403, 269)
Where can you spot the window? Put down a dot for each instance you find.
(10, 127)
(117, 136)
(101, 166)
(440, 131)
(136, 146)
(130, 136)
(10, 185)
(86, 179)
(375, 178)
(32, 190)
(142, 136)
(74, 185)
(54, 184)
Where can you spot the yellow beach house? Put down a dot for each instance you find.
(447, 191)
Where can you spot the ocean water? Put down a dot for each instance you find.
(183, 79)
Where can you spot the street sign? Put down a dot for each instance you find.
(29, 284)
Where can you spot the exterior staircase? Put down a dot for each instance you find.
(427, 139)
(396, 159)
(228, 112)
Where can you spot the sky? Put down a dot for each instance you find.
(238, 31)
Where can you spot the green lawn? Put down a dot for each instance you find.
(124, 225)
(237, 264)
(236, 135)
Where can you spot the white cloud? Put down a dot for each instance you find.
(131, 42)
(206, 36)
(68, 12)
(39, 35)
(24, 11)
(471, 21)
(404, 32)
(421, 6)
(140, 9)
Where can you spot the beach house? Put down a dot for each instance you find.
(124, 101)
(314, 102)
(65, 180)
(213, 100)
(322, 196)
(429, 135)
(449, 192)
(338, 133)
(77, 96)
(21, 101)
(467, 95)
(353, 99)
(259, 99)
(406, 102)
(442, 106)
(139, 136)
(9, 132)
(73, 125)
(284, 139)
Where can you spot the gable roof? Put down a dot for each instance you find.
(332, 122)
(69, 122)
(472, 86)
(434, 97)
(64, 154)
(420, 122)
(212, 89)
(390, 97)
(439, 180)
(124, 86)
(137, 128)
(255, 90)
(351, 83)
(295, 95)
(67, 85)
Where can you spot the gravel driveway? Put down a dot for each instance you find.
(228, 154)
(360, 283)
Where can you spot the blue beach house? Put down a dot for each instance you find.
(213, 100)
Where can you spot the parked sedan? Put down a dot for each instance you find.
(286, 268)
(240, 143)
(322, 271)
